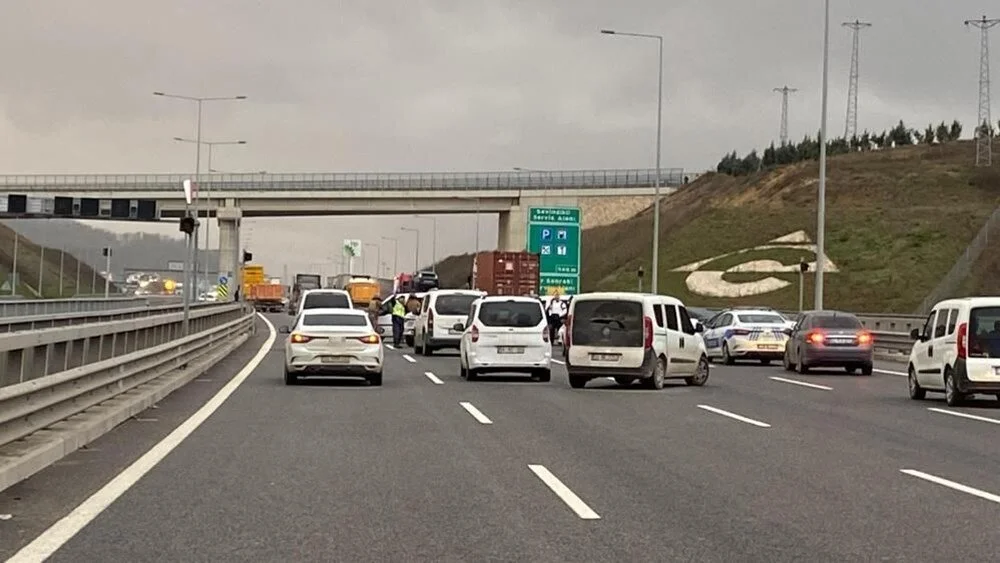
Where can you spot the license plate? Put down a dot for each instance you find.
(605, 357)
(768, 346)
(510, 349)
(334, 359)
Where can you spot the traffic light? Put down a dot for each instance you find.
(187, 224)
(247, 256)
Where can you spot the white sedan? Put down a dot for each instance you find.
(333, 342)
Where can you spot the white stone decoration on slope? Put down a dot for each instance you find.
(710, 283)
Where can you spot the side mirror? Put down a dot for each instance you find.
(698, 327)
(458, 326)
(787, 331)
(380, 330)
(915, 334)
(284, 330)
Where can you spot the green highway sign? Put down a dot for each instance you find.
(554, 234)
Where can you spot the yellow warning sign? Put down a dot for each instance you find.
(222, 291)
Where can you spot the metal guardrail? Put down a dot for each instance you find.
(36, 307)
(39, 322)
(54, 375)
(639, 177)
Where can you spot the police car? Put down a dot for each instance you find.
(746, 334)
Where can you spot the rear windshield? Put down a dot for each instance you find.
(984, 332)
(607, 323)
(326, 301)
(512, 314)
(454, 304)
(761, 319)
(838, 321)
(334, 319)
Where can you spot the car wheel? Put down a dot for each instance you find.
(425, 349)
(765, 362)
(624, 381)
(951, 394)
(917, 393)
(291, 378)
(802, 367)
(409, 341)
(470, 374)
(462, 371)
(700, 375)
(786, 363)
(375, 380)
(543, 375)
(577, 382)
(655, 382)
(851, 369)
(867, 369)
(726, 358)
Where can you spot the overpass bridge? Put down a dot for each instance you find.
(230, 197)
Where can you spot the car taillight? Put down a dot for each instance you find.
(815, 337)
(300, 338)
(474, 334)
(370, 339)
(647, 332)
(430, 320)
(963, 341)
(741, 332)
(864, 338)
(568, 331)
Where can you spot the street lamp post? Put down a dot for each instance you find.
(208, 185)
(416, 256)
(434, 241)
(199, 101)
(821, 196)
(659, 134)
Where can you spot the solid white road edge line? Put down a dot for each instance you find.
(965, 415)
(560, 362)
(434, 378)
(42, 547)
(476, 413)
(802, 383)
(735, 416)
(409, 358)
(564, 493)
(952, 485)
(889, 372)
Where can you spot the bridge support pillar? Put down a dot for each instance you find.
(512, 234)
(229, 246)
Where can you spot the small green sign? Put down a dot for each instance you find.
(554, 234)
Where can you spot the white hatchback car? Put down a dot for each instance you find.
(333, 342)
(505, 335)
(957, 351)
(630, 336)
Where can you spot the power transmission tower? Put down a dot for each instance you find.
(783, 134)
(984, 142)
(851, 128)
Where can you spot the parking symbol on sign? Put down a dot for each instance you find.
(546, 234)
(546, 250)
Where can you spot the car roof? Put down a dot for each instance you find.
(752, 312)
(626, 296)
(335, 311)
(440, 292)
(513, 298)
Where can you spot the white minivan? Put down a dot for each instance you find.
(957, 352)
(630, 336)
(440, 310)
(505, 334)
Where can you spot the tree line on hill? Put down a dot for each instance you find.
(808, 148)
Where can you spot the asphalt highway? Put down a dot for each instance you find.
(758, 465)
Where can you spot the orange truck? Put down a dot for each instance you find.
(267, 297)
(363, 290)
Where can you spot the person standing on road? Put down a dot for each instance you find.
(373, 308)
(556, 311)
(398, 321)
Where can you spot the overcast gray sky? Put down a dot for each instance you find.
(434, 85)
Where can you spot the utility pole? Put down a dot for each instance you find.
(783, 133)
(984, 142)
(851, 127)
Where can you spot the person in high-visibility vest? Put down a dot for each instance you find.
(398, 320)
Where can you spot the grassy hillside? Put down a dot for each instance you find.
(31, 259)
(896, 222)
